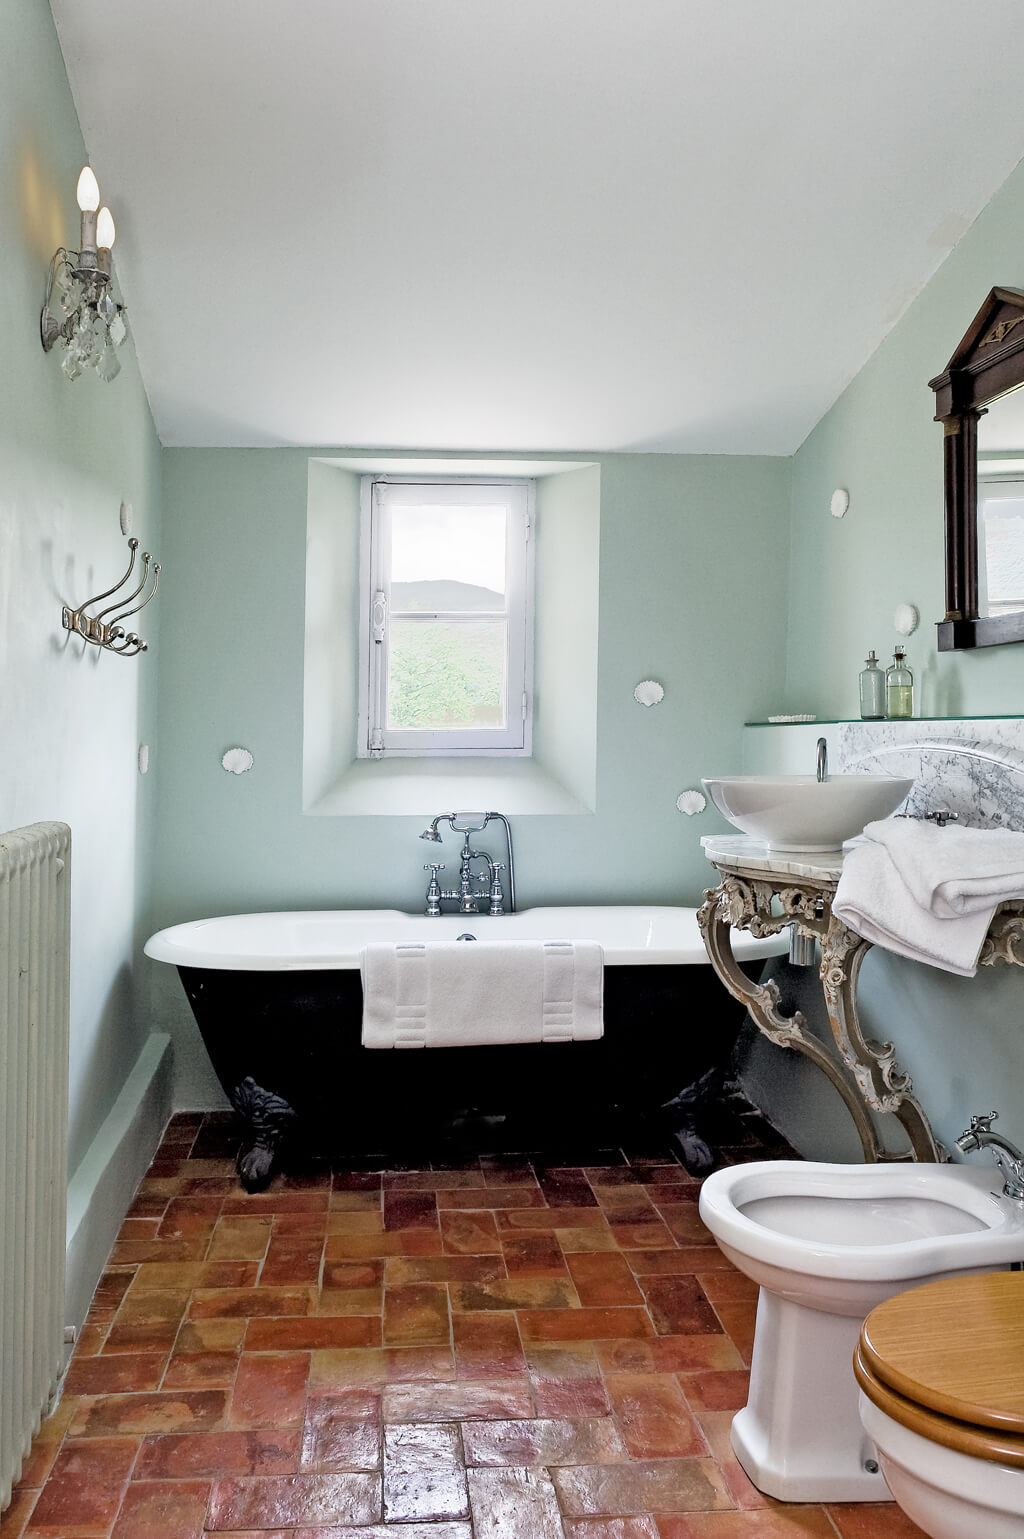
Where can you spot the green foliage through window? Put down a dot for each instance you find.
(447, 675)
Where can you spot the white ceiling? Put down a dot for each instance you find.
(677, 225)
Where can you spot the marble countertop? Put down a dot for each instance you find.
(753, 855)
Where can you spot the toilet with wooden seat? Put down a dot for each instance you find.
(941, 1376)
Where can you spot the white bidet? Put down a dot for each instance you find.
(826, 1243)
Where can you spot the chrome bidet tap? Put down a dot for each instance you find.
(1006, 1155)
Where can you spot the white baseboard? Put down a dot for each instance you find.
(101, 1189)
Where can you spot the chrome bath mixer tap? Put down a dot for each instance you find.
(468, 899)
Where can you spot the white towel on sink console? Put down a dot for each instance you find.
(477, 993)
(929, 893)
(953, 870)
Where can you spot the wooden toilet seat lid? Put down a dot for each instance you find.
(955, 1347)
(989, 1443)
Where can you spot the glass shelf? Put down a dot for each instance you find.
(840, 721)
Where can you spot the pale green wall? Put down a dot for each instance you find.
(330, 671)
(566, 627)
(680, 537)
(70, 724)
(880, 442)
(961, 1039)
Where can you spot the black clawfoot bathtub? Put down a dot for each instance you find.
(278, 1001)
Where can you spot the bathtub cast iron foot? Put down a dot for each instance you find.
(681, 1117)
(268, 1118)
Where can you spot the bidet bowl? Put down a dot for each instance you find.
(799, 812)
(841, 1238)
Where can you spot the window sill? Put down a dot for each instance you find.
(421, 787)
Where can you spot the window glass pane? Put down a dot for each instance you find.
(447, 558)
(447, 675)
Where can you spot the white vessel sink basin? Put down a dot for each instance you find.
(799, 812)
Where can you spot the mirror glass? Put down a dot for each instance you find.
(1000, 469)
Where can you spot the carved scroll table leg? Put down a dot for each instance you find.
(744, 903)
(268, 1118)
(882, 1083)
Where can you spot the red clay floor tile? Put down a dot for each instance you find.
(487, 1346)
(530, 1349)
(269, 1390)
(655, 1419)
(424, 1476)
(291, 1500)
(85, 1486)
(163, 1509)
(516, 1503)
(181, 1455)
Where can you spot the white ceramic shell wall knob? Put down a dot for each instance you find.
(906, 619)
(648, 692)
(237, 760)
(691, 802)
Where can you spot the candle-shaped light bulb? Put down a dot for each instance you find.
(105, 231)
(88, 191)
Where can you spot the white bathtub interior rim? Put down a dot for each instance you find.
(630, 934)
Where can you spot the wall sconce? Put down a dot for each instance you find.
(93, 324)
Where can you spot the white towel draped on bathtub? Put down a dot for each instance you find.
(474, 993)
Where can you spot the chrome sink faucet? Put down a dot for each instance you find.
(821, 760)
(467, 823)
(1006, 1155)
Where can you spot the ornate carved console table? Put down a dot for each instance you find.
(763, 891)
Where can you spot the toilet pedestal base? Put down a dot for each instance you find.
(947, 1494)
(799, 1437)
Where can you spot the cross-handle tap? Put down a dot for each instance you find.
(497, 896)
(433, 889)
(1006, 1155)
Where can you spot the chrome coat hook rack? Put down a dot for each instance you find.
(104, 629)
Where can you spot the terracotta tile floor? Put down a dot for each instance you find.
(509, 1347)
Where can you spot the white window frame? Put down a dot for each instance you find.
(375, 739)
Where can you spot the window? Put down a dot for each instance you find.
(446, 643)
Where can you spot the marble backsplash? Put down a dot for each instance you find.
(973, 768)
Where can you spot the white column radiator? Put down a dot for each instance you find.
(35, 924)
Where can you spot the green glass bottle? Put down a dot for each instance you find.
(899, 688)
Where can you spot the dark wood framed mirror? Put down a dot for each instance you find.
(979, 399)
